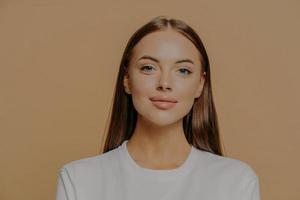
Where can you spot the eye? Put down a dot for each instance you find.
(146, 67)
(184, 69)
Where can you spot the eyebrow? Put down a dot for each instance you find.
(156, 60)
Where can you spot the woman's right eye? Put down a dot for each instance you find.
(146, 67)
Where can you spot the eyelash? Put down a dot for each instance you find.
(145, 66)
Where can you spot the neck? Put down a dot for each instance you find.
(154, 145)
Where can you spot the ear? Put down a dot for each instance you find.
(200, 86)
(126, 82)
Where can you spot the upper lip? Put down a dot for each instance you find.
(163, 98)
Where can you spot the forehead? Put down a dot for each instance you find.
(167, 45)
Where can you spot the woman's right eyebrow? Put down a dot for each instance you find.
(156, 60)
(149, 58)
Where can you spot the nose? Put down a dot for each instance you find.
(164, 83)
(164, 86)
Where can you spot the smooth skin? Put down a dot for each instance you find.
(158, 141)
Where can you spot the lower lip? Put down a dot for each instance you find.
(163, 104)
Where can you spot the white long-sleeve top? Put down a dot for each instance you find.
(114, 175)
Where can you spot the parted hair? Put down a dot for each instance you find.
(200, 125)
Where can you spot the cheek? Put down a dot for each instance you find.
(142, 87)
(187, 95)
(187, 91)
(186, 102)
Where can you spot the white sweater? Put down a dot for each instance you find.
(114, 175)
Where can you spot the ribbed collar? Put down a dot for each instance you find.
(156, 174)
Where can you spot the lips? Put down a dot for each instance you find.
(163, 99)
(163, 102)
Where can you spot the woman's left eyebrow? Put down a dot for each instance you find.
(156, 60)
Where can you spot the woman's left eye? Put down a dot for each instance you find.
(184, 69)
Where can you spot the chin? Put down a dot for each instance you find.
(162, 119)
(163, 123)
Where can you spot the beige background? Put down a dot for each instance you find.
(59, 62)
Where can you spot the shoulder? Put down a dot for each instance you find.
(91, 165)
(227, 176)
(226, 167)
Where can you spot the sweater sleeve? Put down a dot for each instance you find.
(251, 190)
(65, 188)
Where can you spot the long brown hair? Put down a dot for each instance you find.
(200, 124)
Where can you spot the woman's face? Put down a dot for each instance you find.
(164, 64)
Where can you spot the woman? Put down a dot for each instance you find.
(163, 141)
